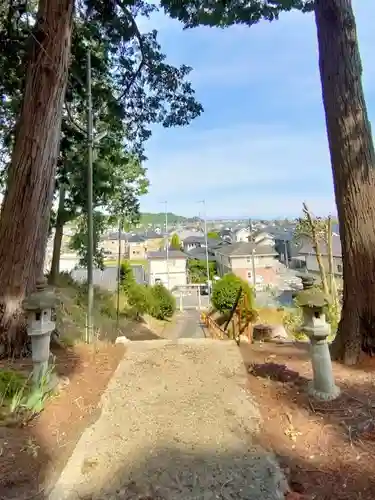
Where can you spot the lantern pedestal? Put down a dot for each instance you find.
(313, 303)
(41, 322)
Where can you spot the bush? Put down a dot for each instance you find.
(127, 279)
(163, 302)
(225, 292)
(292, 322)
(140, 299)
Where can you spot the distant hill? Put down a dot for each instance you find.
(159, 219)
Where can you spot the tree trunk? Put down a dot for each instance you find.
(28, 198)
(353, 166)
(57, 241)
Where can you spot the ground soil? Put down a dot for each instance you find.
(326, 449)
(32, 457)
(176, 424)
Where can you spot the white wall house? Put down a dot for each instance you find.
(264, 238)
(242, 234)
(160, 269)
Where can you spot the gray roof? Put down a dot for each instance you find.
(114, 236)
(185, 233)
(199, 254)
(211, 242)
(195, 239)
(136, 238)
(172, 254)
(246, 248)
(307, 247)
(152, 235)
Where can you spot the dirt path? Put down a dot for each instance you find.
(176, 424)
(188, 325)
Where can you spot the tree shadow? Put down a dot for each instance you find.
(170, 472)
(341, 433)
(33, 451)
(173, 473)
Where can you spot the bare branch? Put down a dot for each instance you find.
(70, 118)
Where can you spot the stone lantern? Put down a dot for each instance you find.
(313, 303)
(41, 322)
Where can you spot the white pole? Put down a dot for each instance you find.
(254, 269)
(206, 242)
(167, 242)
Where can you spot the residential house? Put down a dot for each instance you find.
(199, 241)
(199, 253)
(154, 241)
(241, 234)
(285, 246)
(307, 257)
(239, 258)
(109, 244)
(226, 234)
(183, 234)
(195, 241)
(263, 238)
(171, 271)
(136, 248)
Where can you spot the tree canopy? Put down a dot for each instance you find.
(224, 13)
(133, 88)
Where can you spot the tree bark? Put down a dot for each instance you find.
(353, 166)
(57, 241)
(28, 198)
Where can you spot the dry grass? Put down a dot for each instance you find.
(270, 316)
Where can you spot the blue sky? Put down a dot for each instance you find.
(260, 148)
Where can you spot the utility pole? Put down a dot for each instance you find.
(120, 224)
(206, 243)
(252, 240)
(286, 254)
(251, 230)
(90, 221)
(166, 240)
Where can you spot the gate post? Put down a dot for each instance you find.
(181, 304)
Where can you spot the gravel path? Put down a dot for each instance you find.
(176, 424)
(188, 325)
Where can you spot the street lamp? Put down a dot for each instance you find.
(206, 242)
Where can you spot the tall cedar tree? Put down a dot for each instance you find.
(350, 144)
(28, 197)
(134, 83)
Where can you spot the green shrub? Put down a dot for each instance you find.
(11, 383)
(225, 292)
(163, 303)
(140, 299)
(127, 279)
(292, 322)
